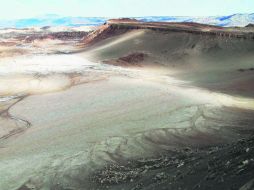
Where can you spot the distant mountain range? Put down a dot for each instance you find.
(226, 21)
(56, 20)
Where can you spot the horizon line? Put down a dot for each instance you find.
(59, 15)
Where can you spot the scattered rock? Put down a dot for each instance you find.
(160, 176)
(228, 167)
(245, 162)
(243, 70)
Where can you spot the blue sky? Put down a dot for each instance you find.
(13, 9)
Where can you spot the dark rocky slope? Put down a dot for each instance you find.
(227, 167)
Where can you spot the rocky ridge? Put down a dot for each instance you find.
(119, 26)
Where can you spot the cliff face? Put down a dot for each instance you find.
(103, 32)
(109, 29)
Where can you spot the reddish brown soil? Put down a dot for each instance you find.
(7, 44)
(134, 59)
(103, 32)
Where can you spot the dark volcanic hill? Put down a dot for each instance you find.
(213, 57)
(124, 25)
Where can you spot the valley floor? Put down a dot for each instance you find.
(98, 127)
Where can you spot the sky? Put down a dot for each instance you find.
(14, 9)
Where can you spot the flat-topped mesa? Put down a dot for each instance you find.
(119, 26)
